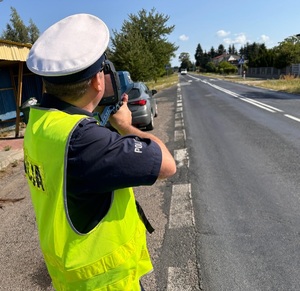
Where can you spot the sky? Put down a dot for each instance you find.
(208, 23)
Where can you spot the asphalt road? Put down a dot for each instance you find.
(244, 171)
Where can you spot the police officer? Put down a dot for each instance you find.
(80, 174)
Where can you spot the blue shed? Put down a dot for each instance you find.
(17, 83)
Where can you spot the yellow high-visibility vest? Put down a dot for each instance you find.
(113, 255)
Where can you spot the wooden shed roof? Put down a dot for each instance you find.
(11, 51)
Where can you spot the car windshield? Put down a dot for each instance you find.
(133, 94)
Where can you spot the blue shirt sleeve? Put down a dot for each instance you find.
(100, 160)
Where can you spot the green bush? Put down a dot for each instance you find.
(226, 68)
(211, 67)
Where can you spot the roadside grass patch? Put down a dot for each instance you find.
(163, 82)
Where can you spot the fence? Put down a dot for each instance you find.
(273, 73)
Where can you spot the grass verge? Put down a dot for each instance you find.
(163, 82)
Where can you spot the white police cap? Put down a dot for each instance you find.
(70, 50)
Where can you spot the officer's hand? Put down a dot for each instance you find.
(122, 118)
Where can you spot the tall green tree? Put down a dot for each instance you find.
(221, 49)
(141, 47)
(232, 50)
(33, 31)
(212, 52)
(206, 59)
(132, 54)
(199, 55)
(17, 31)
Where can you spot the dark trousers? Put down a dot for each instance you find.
(142, 289)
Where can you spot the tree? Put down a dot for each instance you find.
(287, 52)
(185, 61)
(258, 55)
(17, 30)
(221, 49)
(131, 53)
(232, 50)
(198, 55)
(264, 57)
(141, 47)
(206, 59)
(202, 58)
(212, 52)
(33, 31)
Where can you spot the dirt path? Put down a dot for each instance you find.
(22, 266)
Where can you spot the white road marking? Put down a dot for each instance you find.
(178, 123)
(179, 115)
(249, 100)
(181, 156)
(179, 135)
(292, 117)
(181, 209)
(179, 109)
(245, 99)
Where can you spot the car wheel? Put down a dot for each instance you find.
(150, 126)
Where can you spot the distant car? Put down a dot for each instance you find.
(183, 71)
(142, 105)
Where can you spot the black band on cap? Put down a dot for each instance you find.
(79, 76)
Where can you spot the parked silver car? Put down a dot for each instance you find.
(142, 105)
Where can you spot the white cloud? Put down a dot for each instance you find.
(238, 39)
(264, 38)
(184, 37)
(227, 41)
(222, 33)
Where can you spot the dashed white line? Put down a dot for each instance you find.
(179, 135)
(181, 210)
(179, 123)
(179, 109)
(178, 115)
(181, 206)
(181, 157)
